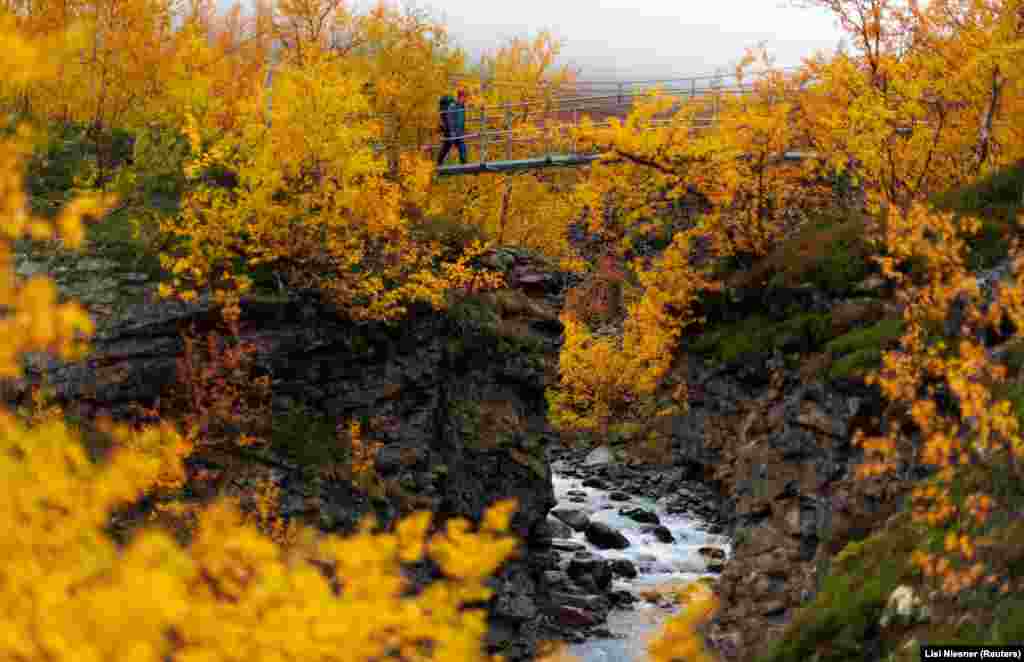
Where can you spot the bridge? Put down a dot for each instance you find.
(540, 133)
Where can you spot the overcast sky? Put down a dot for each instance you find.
(630, 39)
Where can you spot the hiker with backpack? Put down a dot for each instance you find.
(453, 126)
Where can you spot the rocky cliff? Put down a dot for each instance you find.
(456, 399)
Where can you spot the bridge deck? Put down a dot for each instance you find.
(518, 164)
(554, 160)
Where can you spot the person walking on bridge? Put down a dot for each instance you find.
(453, 126)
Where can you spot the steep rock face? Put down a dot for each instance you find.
(779, 452)
(458, 407)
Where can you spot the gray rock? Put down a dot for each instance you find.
(660, 532)
(640, 515)
(576, 519)
(624, 568)
(394, 457)
(715, 553)
(598, 570)
(567, 546)
(599, 456)
(605, 537)
(557, 528)
(514, 595)
(556, 578)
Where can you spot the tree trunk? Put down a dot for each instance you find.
(984, 145)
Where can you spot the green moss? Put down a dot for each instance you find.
(995, 200)
(1014, 357)
(114, 238)
(309, 439)
(532, 461)
(1002, 187)
(830, 253)
(860, 350)
(1008, 627)
(760, 335)
(836, 624)
(875, 336)
(474, 314)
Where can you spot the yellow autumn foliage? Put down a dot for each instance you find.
(68, 591)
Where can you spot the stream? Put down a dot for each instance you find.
(656, 562)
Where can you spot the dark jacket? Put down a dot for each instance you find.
(457, 119)
(453, 117)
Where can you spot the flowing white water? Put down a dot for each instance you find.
(656, 562)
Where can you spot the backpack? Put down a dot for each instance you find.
(446, 102)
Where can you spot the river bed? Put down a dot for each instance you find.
(657, 563)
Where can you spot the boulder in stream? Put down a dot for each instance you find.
(624, 568)
(557, 528)
(599, 570)
(598, 456)
(605, 537)
(660, 532)
(574, 517)
(640, 515)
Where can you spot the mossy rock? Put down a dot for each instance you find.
(860, 351)
(1008, 627)
(532, 461)
(875, 336)
(308, 439)
(759, 335)
(475, 313)
(1013, 357)
(856, 364)
(843, 617)
(830, 252)
(995, 200)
